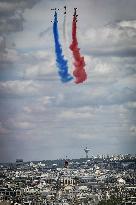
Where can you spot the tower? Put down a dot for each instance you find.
(66, 163)
(86, 152)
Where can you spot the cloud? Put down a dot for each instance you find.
(41, 69)
(74, 115)
(11, 19)
(2, 43)
(12, 24)
(60, 119)
(133, 130)
(131, 105)
(83, 112)
(19, 88)
(3, 130)
(7, 6)
(34, 109)
(45, 32)
(41, 105)
(29, 65)
(15, 124)
(115, 39)
(9, 56)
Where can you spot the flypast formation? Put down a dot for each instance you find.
(79, 72)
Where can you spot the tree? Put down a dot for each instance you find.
(112, 201)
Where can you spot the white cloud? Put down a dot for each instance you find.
(40, 105)
(131, 105)
(74, 115)
(9, 56)
(133, 130)
(20, 88)
(19, 123)
(64, 116)
(40, 70)
(111, 38)
(34, 109)
(3, 130)
(103, 68)
(46, 100)
(126, 24)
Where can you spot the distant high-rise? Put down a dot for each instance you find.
(19, 162)
(86, 151)
(66, 163)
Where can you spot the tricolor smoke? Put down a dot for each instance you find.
(62, 64)
(79, 63)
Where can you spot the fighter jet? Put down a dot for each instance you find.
(75, 13)
(64, 9)
(55, 9)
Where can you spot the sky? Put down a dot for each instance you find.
(41, 117)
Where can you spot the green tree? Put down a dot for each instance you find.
(112, 201)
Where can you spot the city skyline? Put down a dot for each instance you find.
(42, 118)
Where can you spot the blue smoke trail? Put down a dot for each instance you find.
(62, 64)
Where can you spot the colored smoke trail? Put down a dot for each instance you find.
(62, 64)
(79, 63)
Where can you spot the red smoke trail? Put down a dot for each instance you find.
(79, 63)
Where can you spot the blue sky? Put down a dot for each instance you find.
(42, 118)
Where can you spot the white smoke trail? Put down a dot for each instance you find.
(66, 41)
(64, 28)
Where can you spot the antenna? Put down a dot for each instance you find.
(86, 152)
(66, 163)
